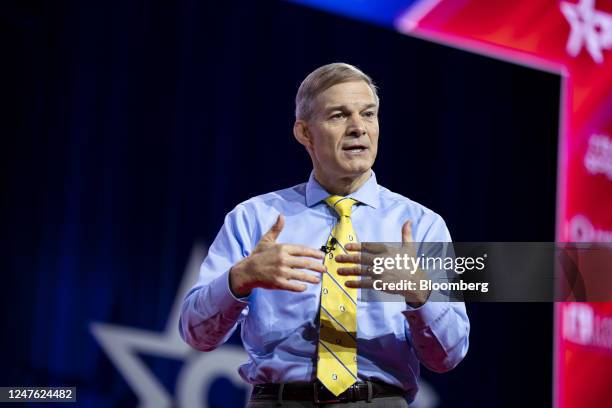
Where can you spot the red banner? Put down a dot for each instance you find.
(572, 38)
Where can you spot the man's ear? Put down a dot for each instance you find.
(301, 133)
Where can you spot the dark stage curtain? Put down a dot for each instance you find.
(132, 127)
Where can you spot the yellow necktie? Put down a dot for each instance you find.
(337, 355)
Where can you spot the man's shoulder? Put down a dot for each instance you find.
(390, 199)
(427, 225)
(292, 196)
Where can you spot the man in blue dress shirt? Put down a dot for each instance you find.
(264, 269)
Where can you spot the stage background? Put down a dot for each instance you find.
(131, 128)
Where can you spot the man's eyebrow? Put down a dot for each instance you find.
(371, 105)
(335, 107)
(344, 107)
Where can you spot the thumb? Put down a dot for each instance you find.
(407, 232)
(275, 231)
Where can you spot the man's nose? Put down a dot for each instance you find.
(355, 126)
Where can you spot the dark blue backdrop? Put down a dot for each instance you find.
(132, 127)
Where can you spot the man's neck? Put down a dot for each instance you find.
(342, 186)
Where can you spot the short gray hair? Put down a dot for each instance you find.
(323, 78)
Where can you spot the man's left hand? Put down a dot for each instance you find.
(363, 255)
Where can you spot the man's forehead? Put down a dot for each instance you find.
(355, 93)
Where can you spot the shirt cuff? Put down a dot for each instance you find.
(425, 315)
(222, 297)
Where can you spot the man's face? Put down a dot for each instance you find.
(343, 130)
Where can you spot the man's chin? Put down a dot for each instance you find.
(359, 166)
(358, 170)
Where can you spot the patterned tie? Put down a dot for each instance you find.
(337, 362)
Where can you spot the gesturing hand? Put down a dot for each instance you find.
(363, 255)
(276, 266)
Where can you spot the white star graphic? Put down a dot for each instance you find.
(122, 345)
(589, 27)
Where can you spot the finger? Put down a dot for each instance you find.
(353, 246)
(370, 247)
(353, 271)
(360, 284)
(361, 258)
(275, 231)
(303, 250)
(349, 258)
(304, 277)
(378, 248)
(291, 286)
(304, 263)
(407, 232)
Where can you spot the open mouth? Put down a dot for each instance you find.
(356, 149)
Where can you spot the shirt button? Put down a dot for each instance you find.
(325, 291)
(342, 308)
(334, 376)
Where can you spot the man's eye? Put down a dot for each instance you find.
(369, 114)
(338, 115)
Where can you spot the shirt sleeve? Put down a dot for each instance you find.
(210, 311)
(439, 330)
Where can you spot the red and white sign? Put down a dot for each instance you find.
(572, 38)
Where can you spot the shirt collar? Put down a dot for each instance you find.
(366, 194)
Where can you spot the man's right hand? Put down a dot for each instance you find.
(276, 266)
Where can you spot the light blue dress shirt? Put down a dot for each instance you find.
(280, 328)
